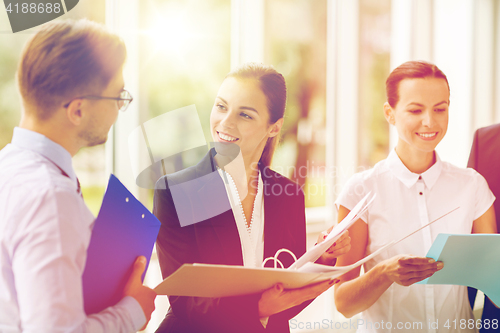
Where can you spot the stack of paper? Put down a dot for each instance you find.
(227, 280)
(204, 280)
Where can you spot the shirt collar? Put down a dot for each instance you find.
(39, 143)
(408, 178)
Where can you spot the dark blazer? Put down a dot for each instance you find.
(216, 241)
(485, 159)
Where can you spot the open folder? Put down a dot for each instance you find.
(123, 230)
(205, 280)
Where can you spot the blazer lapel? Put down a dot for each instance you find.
(280, 221)
(219, 241)
(273, 235)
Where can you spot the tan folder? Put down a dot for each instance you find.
(204, 280)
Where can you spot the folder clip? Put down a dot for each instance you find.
(276, 260)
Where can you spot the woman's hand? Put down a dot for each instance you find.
(277, 299)
(340, 247)
(406, 270)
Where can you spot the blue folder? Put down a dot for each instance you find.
(469, 260)
(123, 230)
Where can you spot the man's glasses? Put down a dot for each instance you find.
(122, 102)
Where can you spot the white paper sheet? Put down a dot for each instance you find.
(316, 251)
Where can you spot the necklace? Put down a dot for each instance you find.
(247, 225)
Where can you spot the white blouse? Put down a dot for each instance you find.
(252, 236)
(406, 201)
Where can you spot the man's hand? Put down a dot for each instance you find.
(134, 287)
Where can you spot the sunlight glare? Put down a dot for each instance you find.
(171, 34)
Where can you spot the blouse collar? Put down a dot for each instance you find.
(408, 178)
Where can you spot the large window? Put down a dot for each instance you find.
(295, 43)
(374, 61)
(184, 56)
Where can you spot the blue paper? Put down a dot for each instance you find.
(469, 260)
(123, 230)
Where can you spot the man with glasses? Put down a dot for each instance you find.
(71, 84)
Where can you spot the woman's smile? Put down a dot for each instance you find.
(427, 136)
(224, 137)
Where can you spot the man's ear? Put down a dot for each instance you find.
(389, 114)
(74, 111)
(276, 128)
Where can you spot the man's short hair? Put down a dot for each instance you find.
(67, 59)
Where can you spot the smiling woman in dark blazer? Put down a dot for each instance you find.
(232, 209)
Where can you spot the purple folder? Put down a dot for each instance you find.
(123, 230)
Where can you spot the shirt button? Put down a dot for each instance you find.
(420, 193)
